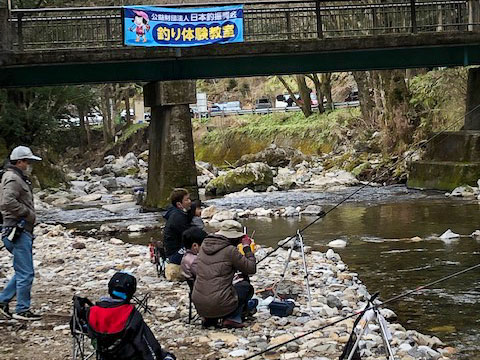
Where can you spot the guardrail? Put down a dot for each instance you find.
(270, 110)
(101, 27)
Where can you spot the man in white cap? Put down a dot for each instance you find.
(18, 211)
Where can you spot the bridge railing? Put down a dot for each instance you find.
(101, 27)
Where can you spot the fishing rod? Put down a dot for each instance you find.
(420, 144)
(361, 312)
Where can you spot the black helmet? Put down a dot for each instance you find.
(122, 286)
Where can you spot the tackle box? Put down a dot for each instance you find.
(281, 308)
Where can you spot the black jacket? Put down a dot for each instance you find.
(121, 334)
(177, 222)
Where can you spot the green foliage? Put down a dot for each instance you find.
(33, 116)
(130, 130)
(439, 99)
(322, 128)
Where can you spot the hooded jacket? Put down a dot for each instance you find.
(213, 293)
(16, 199)
(177, 222)
(121, 332)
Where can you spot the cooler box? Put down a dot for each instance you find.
(281, 308)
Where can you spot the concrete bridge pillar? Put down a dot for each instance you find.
(171, 162)
(472, 108)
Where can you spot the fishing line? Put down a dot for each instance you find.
(420, 144)
(361, 312)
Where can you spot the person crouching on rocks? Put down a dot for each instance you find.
(214, 294)
(118, 327)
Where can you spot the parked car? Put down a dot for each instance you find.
(263, 103)
(123, 114)
(285, 100)
(353, 96)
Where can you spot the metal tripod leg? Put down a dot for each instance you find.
(383, 334)
(359, 336)
(300, 238)
(284, 268)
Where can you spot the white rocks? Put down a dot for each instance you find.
(223, 215)
(335, 178)
(208, 212)
(238, 353)
(331, 255)
(116, 241)
(261, 212)
(464, 191)
(127, 182)
(136, 228)
(448, 235)
(118, 208)
(339, 243)
(314, 210)
(88, 198)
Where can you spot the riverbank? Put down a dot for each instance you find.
(67, 264)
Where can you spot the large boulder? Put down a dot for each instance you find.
(256, 176)
(274, 156)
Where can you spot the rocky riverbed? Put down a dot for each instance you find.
(67, 264)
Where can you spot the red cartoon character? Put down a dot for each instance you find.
(141, 25)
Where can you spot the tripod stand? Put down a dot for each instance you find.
(361, 327)
(298, 238)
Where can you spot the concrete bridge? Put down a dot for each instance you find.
(84, 45)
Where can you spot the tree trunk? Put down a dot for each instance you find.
(367, 103)
(83, 133)
(399, 118)
(293, 97)
(127, 109)
(107, 109)
(304, 95)
(327, 89)
(319, 91)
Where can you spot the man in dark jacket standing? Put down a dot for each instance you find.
(118, 328)
(18, 211)
(219, 259)
(178, 220)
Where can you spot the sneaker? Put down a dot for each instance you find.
(4, 310)
(230, 324)
(27, 315)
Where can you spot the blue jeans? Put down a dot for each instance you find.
(21, 282)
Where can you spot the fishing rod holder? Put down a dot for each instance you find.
(296, 241)
(371, 313)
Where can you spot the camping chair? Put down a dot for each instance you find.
(78, 329)
(158, 257)
(190, 286)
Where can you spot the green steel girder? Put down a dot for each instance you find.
(223, 65)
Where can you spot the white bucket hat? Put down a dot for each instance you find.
(231, 229)
(23, 152)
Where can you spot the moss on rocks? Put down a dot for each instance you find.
(255, 176)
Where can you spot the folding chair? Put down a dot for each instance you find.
(78, 329)
(158, 257)
(190, 286)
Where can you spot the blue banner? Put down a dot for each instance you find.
(158, 26)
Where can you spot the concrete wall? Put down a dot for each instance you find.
(472, 117)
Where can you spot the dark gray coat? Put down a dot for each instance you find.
(16, 199)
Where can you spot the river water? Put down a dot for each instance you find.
(378, 225)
